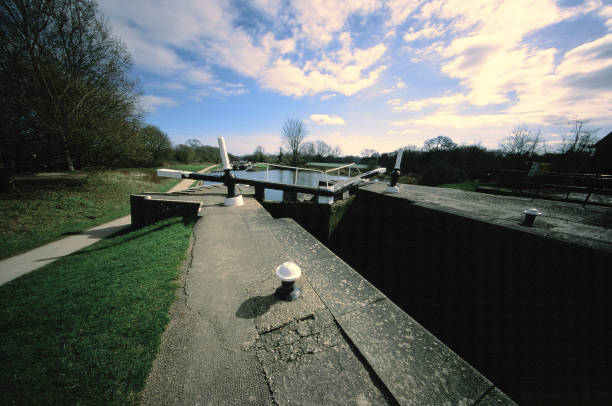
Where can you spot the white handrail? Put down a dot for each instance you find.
(312, 170)
(296, 171)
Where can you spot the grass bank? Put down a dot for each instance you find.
(45, 207)
(469, 185)
(85, 329)
(191, 168)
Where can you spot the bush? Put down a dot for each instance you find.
(437, 173)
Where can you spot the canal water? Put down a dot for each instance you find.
(287, 176)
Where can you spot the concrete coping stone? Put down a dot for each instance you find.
(402, 357)
(587, 226)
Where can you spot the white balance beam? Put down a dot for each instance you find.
(171, 173)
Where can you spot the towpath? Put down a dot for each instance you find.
(13, 267)
(230, 341)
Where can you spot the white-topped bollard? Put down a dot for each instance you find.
(392, 187)
(232, 198)
(288, 273)
(530, 215)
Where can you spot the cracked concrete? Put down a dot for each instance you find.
(231, 341)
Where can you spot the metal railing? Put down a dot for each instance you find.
(295, 178)
(349, 166)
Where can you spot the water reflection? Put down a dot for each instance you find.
(305, 178)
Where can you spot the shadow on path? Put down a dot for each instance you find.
(256, 306)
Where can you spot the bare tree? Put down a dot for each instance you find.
(521, 141)
(293, 133)
(438, 143)
(368, 153)
(323, 148)
(579, 139)
(64, 81)
(336, 151)
(308, 148)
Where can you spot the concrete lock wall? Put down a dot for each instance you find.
(318, 219)
(146, 210)
(530, 313)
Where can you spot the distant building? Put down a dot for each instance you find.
(603, 154)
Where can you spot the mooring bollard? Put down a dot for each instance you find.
(392, 187)
(288, 273)
(232, 198)
(530, 216)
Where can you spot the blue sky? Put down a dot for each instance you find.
(367, 73)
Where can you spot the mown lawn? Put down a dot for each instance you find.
(86, 328)
(469, 185)
(191, 168)
(44, 208)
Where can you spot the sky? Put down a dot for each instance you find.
(366, 73)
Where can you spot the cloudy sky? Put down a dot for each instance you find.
(368, 73)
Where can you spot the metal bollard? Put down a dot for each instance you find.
(288, 273)
(232, 198)
(530, 216)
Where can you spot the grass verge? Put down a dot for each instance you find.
(44, 208)
(470, 185)
(86, 328)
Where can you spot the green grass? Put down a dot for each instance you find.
(42, 209)
(470, 185)
(406, 179)
(86, 328)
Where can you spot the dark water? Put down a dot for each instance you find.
(305, 178)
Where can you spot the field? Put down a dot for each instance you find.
(86, 328)
(45, 207)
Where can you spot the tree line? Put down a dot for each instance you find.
(68, 101)
(440, 160)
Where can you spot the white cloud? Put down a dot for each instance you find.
(342, 71)
(320, 20)
(451, 100)
(229, 89)
(150, 103)
(188, 39)
(200, 76)
(405, 131)
(429, 31)
(401, 9)
(487, 54)
(328, 96)
(326, 119)
(606, 12)
(270, 7)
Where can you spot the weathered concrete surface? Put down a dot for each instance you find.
(527, 308)
(230, 341)
(416, 367)
(220, 335)
(586, 225)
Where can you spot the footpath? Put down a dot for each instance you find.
(230, 341)
(14, 267)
